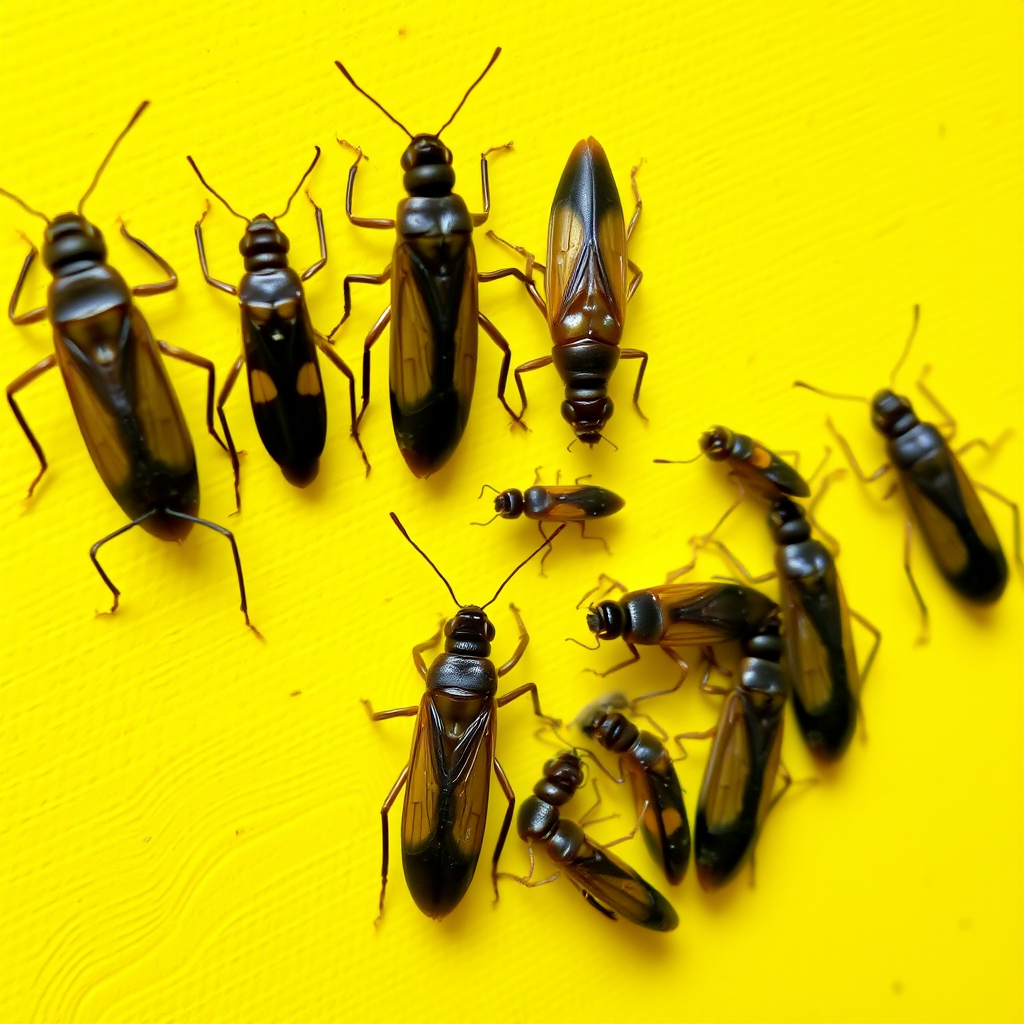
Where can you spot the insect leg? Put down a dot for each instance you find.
(696, 543)
(636, 353)
(230, 537)
(585, 819)
(586, 536)
(848, 452)
(380, 716)
(481, 218)
(343, 366)
(639, 202)
(375, 332)
(611, 585)
(524, 639)
(948, 426)
(672, 689)
(980, 442)
(707, 734)
(360, 222)
(33, 316)
(743, 570)
(544, 557)
(23, 381)
(633, 831)
(319, 265)
(923, 638)
(877, 633)
(813, 504)
(161, 286)
(638, 276)
(391, 797)
(1016, 518)
(203, 364)
(510, 796)
(527, 881)
(110, 536)
(351, 279)
(506, 359)
(622, 664)
(229, 383)
(533, 364)
(531, 689)
(417, 651)
(221, 285)
(525, 276)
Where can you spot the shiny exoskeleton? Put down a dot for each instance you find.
(279, 346)
(605, 881)
(120, 391)
(434, 311)
(646, 762)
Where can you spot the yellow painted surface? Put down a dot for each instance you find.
(190, 826)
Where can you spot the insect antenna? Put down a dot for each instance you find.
(679, 462)
(830, 394)
(580, 643)
(390, 117)
(906, 346)
(110, 153)
(494, 57)
(309, 170)
(536, 551)
(213, 191)
(484, 488)
(489, 521)
(426, 557)
(24, 205)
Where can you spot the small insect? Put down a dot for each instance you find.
(679, 615)
(433, 311)
(607, 883)
(585, 281)
(820, 658)
(648, 765)
(279, 345)
(736, 794)
(447, 779)
(940, 494)
(576, 503)
(120, 392)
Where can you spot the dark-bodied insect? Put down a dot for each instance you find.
(448, 776)
(646, 762)
(736, 793)
(607, 883)
(585, 281)
(576, 503)
(679, 615)
(940, 494)
(120, 392)
(279, 345)
(433, 311)
(820, 658)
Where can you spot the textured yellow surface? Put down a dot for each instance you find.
(190, 818)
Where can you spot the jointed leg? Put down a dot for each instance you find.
(375, 332)
(533, 364)
(524, 639)
(506, 358)
(344, 367)
(635, 353)
(382, 278)
(204, 364)
(1016, 519)
(23, 381)
(229, 383)
(481, 218)
(310, 271)
(381, 223)
(161, 286)
(417, 651)
(388, 802)
(510, 796)
(221, 285)
(876, 632)
(923, 638)
(33, 316)
(851, 458)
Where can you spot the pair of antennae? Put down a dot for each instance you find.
(427, 559)
(231, 209)
(391, 117)
(96, 177)
(892, 376)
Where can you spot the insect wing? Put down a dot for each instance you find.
(586, 273)
(446, 799)
(709, 613)
(617, 889)
(666, 828)
(761, 465)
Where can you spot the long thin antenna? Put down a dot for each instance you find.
(110, 153)
(405, 534)
(213, 191)
(524, 561)
(831, 394)
(680, 462)
(309, 171)
(390, 117)
(906, 347)
(24, 205)
(494, 57)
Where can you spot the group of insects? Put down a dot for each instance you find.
(799, 649)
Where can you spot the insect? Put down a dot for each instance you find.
(736, 793)
(648, 765)
(679, 615)
(942, 497)
(279, 345)
(120, 392)
(820, 658)
(433, 311)
(447, 779)
(585, 281)
(576, 503)
(607, 883)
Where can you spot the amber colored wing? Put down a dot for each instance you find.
(762, 464)
(466, 332)
(728, 769)
(413, 344)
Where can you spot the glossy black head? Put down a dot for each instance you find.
(717, 443)
(427, 163)
(788, 522)
(892, 414)
(71, 240)
(264, 244)
(588, 415)
(469, 632)
(606, 621)
(563, 776)
(509, 504)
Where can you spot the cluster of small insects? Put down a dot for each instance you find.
(800, 649)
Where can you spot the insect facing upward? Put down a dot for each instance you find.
(120, 392)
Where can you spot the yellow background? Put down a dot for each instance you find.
(186, 840)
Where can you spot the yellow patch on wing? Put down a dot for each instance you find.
(728, 769)
(761, 457)
(308, 381)
(262, 387)
(259, 312)
(287, 309)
